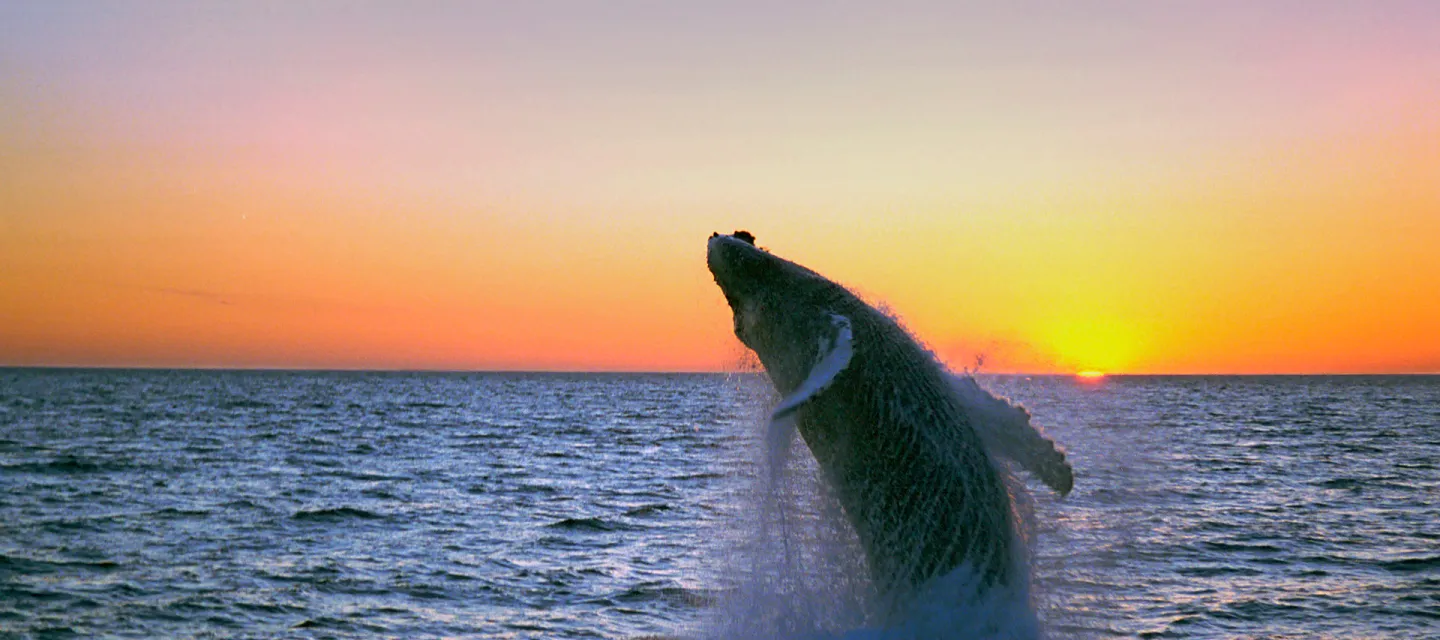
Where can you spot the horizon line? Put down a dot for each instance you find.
(303, 369)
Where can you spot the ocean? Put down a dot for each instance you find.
(150, 503)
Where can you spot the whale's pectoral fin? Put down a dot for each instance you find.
(1007, 432)
(1041, 457)
(835, 353)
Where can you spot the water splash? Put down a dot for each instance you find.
(797, 570)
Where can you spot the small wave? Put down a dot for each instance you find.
(32, 566)
(424, 592)
(664, 592)
(1355, 447)
(537, 488)
(379, 494)
(589, 524)
(1412, 565)
(63, 465)
(366, 476)
(57, 632)
(1216, 571)
(267, 607)
(648, 509)
(1236, 546)
(242, 503)
(337, 513)
(1252, 609)
(703, 475)
(171, 513)
(337, 624)
(1340, 483)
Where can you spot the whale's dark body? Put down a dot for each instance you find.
(888, 431)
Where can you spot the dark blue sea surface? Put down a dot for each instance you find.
(298, 504)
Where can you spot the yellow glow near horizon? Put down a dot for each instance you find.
(1093, 345)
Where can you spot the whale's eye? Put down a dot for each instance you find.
(746, 236)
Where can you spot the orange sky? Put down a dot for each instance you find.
(1220, 188)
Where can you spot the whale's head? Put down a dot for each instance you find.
(782, 311)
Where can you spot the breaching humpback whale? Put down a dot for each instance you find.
(888, 425)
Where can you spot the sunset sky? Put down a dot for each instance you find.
(1136, 187)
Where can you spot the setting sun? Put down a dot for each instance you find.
(1091, 374)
